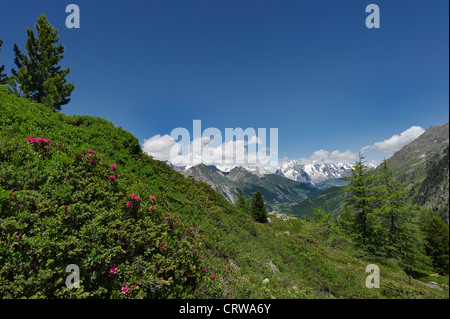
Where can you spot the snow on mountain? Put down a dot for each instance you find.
(314, 172)
(310, 173)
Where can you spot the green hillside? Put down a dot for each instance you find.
(86, 194)
(333, 197)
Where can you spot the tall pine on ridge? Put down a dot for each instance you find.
(39, 76)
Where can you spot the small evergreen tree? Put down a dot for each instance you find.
(241, 201)
(258, 209)
(3, 76)
(437, 244)
(38, 75)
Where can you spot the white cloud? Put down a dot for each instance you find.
(159, 147)
(396, 142)
(322, 156)
(207, 151)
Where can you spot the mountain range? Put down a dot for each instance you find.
(295, 187)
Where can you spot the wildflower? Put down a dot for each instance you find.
(47, 149)
(163, 248)
(40, 139)
(129, 204)
(113, 270)
(168, 218)
(113, 166)
(213, 277)
(47, 141)
(178, 219)
(40, 234)
(152, 197)
(125, 290)
(91, 151)
(132, 195)
(153, 208)
(89, 155)
(191, 229)
(20, 236)
(204, 270)
(137, 198)
(123, 202)
(66, 207)
(162, 244)
(14, 195)
(112, 177)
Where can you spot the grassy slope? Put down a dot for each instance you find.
(99, 233)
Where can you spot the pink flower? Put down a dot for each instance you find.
(47, 149)
(163, 248)
(204, 270)
(178, 219)
(20, 236)
(129, 204)
(162, 244)
(152, 197)
(31, 140)
(191, 229)
(66, 207)
(137, 198)
(132, 195)
(168, 218)
(123, 202)
(112, 177)
(89, 155)
(113, 166)
(40, 139)
(213, 277)
(47, 141)
(125, 290)
(91, 151)
(153, 208)
(113, 270)
(14, 195)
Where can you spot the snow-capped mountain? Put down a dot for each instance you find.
(313, 173)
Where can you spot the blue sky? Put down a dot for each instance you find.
(309, 68)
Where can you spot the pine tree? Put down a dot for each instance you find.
(3, 76)
(437, 247)
(39, 76)
(404, 239)
(361, 195)
(258, 209)
(241, 201)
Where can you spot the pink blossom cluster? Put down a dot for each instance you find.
(41, 140)
(34, 140)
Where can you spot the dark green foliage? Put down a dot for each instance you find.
(39, 75)
(361, 195)
(3, 76)
(257, 209)
(243, 203)
(437, 244)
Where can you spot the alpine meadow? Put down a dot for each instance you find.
(90, 208)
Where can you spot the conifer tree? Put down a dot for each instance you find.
(258, 209)
(361, 195)
(3, 76)
(404, 239)
(39, 75)
(241, 201)
(437, 244)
